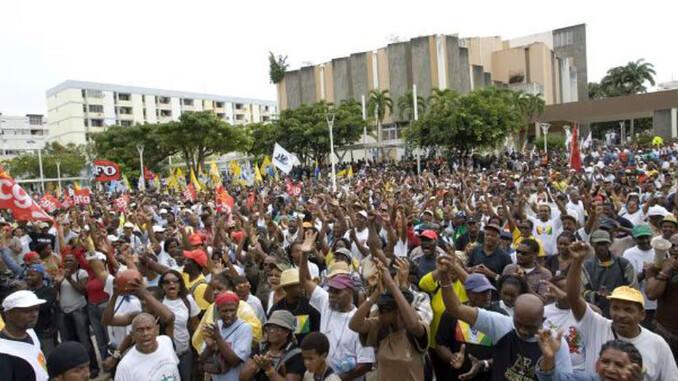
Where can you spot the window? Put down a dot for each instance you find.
(86, 122)
(240, 117)
(125, 110)
(266, 108)
(93, 93)
(96, 122)
(163, 100)
(265, 118)
(187, 102)
(126, 123)
(219, 104)
(563, 38)
(123, 97)
(221, 115)
(239, 106)
(165, 113)
(96, 108)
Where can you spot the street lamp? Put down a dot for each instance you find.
(545, 129)
(142, 180)
(416, 118)
(568, 135)
(330, 123)
(42, 175)
(58, 165)
(621, 132)
(364, 105)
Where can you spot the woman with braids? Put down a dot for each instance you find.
(186, 311)
(277, 358)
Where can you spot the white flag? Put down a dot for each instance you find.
(587, 141)
(283, 159)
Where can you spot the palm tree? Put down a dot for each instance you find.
(379, 102)
(530, 105)
(440, 97)
(406, 106)
(629, 79)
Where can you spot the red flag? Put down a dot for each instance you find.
(15, 198)
(293, 189)
(67, 202)
(82, 196)
(105, 170)
(575, 154)
(49, 203)
(189, 193)
(225, 201)
(148, 174)
(121, 203)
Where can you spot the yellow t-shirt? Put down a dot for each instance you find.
(245, 313)
(430, 286)
(199, 292)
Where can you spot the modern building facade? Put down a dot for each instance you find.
(77, 108)
(19, 134)
(551, 63)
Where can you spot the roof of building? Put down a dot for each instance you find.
(71, 84)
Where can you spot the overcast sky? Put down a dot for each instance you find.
(221, 47)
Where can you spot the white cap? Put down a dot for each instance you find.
(158, 229)
(163, 211)
(657, 210)
(363, 213)
(21, 299)
(43, 225)
(128, 225)
(96, 255)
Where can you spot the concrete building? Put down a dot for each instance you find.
(77, 108)
(19, 134)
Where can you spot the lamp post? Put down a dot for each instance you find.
(330, 123)
(416, 118)
(362, 100)
(42, 174)
(142, 180)
(568, 135)
(621, 132)
(58, 165)
(545, 129)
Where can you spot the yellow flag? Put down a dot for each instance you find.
(215, 174)
(257, 174)
(350, 172)
(198, 186)
(342, 173)
(76, 186)
(172, 182)
(156, 182)
(235, 168)
(264, 166)
(126, 182)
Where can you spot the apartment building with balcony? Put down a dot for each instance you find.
(19, 134)
(77, 108)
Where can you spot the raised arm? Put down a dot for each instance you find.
(304, 274)
(578, 252)
(452, 303)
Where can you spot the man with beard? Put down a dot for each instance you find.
(627, 311)
(20, 356)
(349, 359)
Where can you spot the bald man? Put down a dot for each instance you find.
(515, 344)
(152, 358)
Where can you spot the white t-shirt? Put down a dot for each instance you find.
(69, 298)
(124, 304)
(346, 352)
(313, 270)
(558, 319)
(181, 315)
(638, 259)
(161, 365)
(636, 218)
(362, 238)
(547, 231)
(400, 248)
(658, 362)
(258, 308)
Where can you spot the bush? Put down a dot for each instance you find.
(554, 142)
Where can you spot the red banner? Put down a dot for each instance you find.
(82, 196)
(67, 202)
(15, 198)
(224, 200)
(105, 170)
(148, 174)
(575, 154)
(121, 203)
(49, 203)
(189, 193)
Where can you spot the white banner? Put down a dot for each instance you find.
(283, 159)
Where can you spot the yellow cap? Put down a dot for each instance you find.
(628, 294)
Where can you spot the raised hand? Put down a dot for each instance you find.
(309, 241)
(579, 250)
(458, 358)
(548, 344)
(553, 292)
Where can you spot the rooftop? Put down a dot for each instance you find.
(71, 84)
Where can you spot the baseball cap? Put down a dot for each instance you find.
(670, 218)
(283, 319)
(37, 267)
(657, 210)
(21, 299)
(289, 277)
(430, 234)
(162, 211)
(343, 251)
(195, 239)
(199, 256)
(600, 236)
(128, 225)
(641, 231)
(628, 294)
(31, 256)
(477, 283)
(341, 282)
(493, 227)
(363, 213)
(506, 235)
(428, 211)
(43, 225)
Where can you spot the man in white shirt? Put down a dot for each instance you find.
(639, 256)
(558, 317)
(627, 310)
(546, 227)
(347, 356)
(153, 356)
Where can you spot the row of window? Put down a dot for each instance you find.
(94, 122)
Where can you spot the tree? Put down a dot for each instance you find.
(480, 119)
(197, 135)
(406, 106)
(263, 137)
(119, 144)
(624, 80)
(277, 67)
(530, 105)
(71, 157)
(379, 102)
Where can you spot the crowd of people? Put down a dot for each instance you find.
(503, 267)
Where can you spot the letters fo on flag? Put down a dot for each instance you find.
(283, 159)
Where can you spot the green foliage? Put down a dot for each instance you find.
(119, 144)
(277, 67)
(406, 106)
(624, 80)
(379, 101)
(555, 142)
(198, 135)
(72, 158)
(482, 118)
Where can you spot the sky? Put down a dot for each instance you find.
(221, 47)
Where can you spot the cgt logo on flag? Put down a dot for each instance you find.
(105, 170)
(82, 196)
(14, 198)
(49, 203)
